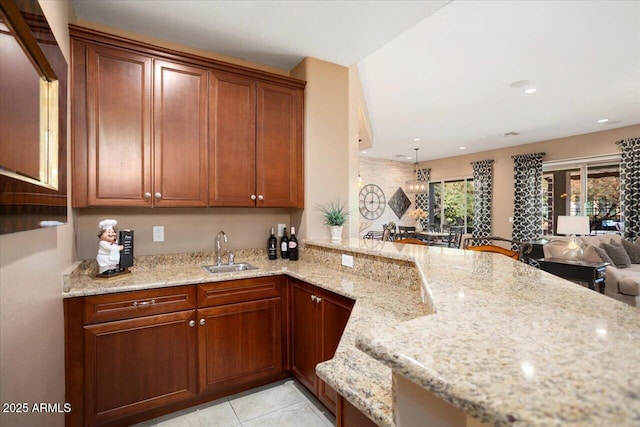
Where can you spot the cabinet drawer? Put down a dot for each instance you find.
(232, 291)
(128, 305)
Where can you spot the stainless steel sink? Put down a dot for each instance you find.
(225, 268)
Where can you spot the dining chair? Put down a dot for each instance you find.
(482, 246)
(405, 230)
(411, 241)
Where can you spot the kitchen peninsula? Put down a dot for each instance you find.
(497, 340)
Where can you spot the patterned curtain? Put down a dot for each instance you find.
(422, 199)
(482, 198)
(527, 198)
(630, 186)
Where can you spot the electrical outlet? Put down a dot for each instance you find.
(281, 229)
(347, 260)
(158, 233)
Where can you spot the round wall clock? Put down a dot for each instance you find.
(372, 201)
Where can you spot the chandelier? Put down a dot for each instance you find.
(416, 185)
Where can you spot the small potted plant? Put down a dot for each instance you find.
(335, 215)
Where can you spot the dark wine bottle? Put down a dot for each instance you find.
(272, 246)
(284, 244)
(293, 245)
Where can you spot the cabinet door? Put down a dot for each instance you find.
(118, 108)
(279, 176)
(240, 343)
(180, 135)
(138, 364)
(304, 333)
(232, 176)
(335, 315)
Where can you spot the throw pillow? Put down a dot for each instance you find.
(603, 255)
(591, 255)
(633, 250)
(618, 255)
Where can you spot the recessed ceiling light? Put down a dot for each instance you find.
(363, 152)
(416, 139)
(603, 120)
(530, 90)
(409, 157)
(463, 148)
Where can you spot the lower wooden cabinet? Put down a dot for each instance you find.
(133, 356)
(318, 319)
(138, 364)
(348, 415)
(240, 343)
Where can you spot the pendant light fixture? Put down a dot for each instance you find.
(417, 185)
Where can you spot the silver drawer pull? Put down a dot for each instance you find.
(318, 300)
(144, 303)
(192, 323)
(313, 298)
(203, 321)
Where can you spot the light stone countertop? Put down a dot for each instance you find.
(505, 343)
(512, 345)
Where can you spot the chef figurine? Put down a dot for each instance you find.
(108, 250)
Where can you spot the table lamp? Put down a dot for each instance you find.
(573, 225)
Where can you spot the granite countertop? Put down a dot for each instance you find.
(512, 345)
(504, 342)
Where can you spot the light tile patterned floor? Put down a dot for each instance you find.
(282, 404)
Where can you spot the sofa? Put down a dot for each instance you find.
(622, 280)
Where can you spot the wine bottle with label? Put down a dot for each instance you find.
(293, 245)
(284, 244)
(272, 246)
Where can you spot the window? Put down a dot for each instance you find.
(451, 203)
(583, 187)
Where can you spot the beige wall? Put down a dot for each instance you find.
(597, 143)
(327, 147)
(31, 316)
(185, 230)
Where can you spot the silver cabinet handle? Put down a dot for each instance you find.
(158, 196)
(260, 197)
(253, 197)
(203, 321)
(192, 323)
(144, 303)
(147, 195)
(318, 300)
(313, 298)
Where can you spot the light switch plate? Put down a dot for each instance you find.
(347, 260)
(158, 233)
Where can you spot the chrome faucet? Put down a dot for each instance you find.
(219, 246)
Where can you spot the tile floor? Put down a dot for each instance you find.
(282, 404)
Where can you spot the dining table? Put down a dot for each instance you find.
(430, 237)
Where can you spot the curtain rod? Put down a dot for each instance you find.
(530, 154)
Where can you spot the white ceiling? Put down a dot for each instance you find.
(436, 70)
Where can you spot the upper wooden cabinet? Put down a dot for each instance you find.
(255, 149)
(154, 127)
(279, 165)
(232, 142)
